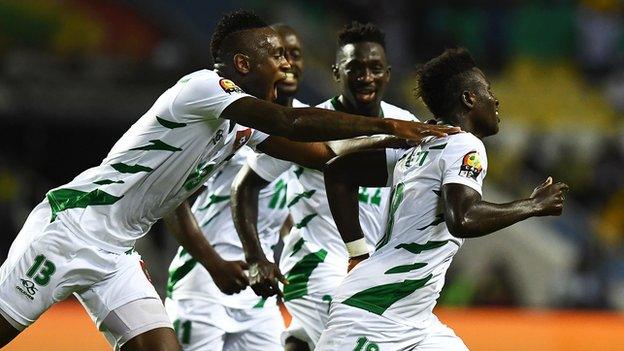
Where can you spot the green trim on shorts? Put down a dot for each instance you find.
(299, 275)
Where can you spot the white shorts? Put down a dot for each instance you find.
(309, 317)
(353, 329)
(313, 278)
(47, 263)
(204, 325)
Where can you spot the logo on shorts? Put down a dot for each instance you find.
(471, 165)
(229, 87)
(27, 288)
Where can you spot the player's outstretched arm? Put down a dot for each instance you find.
(314, 124)
(343, 177)
(316, 155)
(229, 276)
(263, 274)
(468, 216)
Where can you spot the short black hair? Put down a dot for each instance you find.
(231, 23)
(356, 32)
(441, 81)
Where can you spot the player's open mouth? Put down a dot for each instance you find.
(366, 96)
(290, 79)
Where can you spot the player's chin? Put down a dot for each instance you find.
(288, 89)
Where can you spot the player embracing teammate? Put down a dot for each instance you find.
(314, 259)
(80, 239)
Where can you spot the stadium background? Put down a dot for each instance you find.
(75, 74)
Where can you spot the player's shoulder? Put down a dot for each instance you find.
(208, 81)
(327, 104)
(465, 142)
(393, 111)
(298, 104)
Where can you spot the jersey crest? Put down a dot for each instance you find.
(229, 87)
(471, 165)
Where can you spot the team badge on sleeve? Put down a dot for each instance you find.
(471, 165)
(229, 87)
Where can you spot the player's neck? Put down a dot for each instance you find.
(284, 100)
(340, 103)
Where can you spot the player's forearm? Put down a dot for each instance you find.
(182, 224)
(342, 195)
(244, 206)
(483, 218)
(341, 147)
(314, 124)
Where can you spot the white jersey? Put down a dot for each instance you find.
(312, 218)
(161, 160)
(403, 278)
(190, 280)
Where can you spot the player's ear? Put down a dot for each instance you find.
(336, 73)
(241, 63)
(468, 99)
(388, 73)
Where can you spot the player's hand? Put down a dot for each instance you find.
(354, 261)
(263, 278)
(416, 131)
(230, 277)
(549, 197)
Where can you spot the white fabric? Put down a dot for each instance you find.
(133, 319)
(414, 254)
(161, 160)
(202, 325)
(352, 329)
(101, 280)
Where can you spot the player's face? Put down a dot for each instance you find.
(294, 56)
(363, 73)
(269, 66)
(486, 106)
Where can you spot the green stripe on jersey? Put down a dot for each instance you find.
(305, 194)
(63, 199)
(214, 199)
(298, 245)
(438, 147)
(108, 181)
(304, 222)
(157, 145)
(439, 218)
(260, 303)
(124, 168)
(418, 248)
(396, 198)
(299, 275)
(176, 274)
(379, 298)
(405, 268)
(169, 124)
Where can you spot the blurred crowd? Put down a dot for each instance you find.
(74, 74)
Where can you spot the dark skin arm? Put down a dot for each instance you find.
(229, 276)
(247, 185)
(343, 177)
(314, 124)
(315, 155)
(263, 274)
(468, 216)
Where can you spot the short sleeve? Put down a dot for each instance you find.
(267, 167)
(204, 96)
(257, 137)
(392, 157)
(464, 161)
